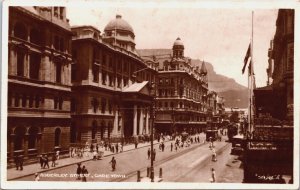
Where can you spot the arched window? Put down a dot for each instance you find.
(35, 36)
(102, 130)
(94, 129)
(35, 60)
(19, 138)
(20, 31)
(33, 132)
(57, 137)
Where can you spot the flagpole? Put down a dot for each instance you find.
(251, 79)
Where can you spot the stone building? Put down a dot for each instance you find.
(270, 150)
(276, 99)
(110, 94)
(39, 79)
(182, 91)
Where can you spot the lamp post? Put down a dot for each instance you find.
(152, 117)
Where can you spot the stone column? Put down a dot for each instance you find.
(27, 65)
(116, 123)
(141, 121)
(134, 120)
(147, 121)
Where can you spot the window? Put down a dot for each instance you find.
(95, 71)
(17, 100)
(20, 31)
(37, 101)
(34, 67)
(61, 12)
(61, 44)
(33, 131)
(24, 101)
(20, 63)
(35, 36)
(119, 82)
(57, 137)
(31, 101)
(56, 42)
(103, 105)
(104, 78)
(56, 11)
(94, 129)
(58, 72)
(166, 105)
(60, 103)
(110, 107)
(73, 105)
(55, 103)
(95, 104)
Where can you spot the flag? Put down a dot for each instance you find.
(246, 58)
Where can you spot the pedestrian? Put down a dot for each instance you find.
(105, 145)
(92, 147)
(136, 144)
(113, 163)
(198, 139)
(84, 173)
(176, 147)
(121, 147)
(46, 161)
(71, 151)
(154, 154)
(16, 160)
(213, 178)
(36, 177)
(117, 147)
(171, 147)
(149, 152)
(159, 147)
(78, 171)
(53, 160)
(97, 148)
(57, 155)
(113, 148)
(163, 146)
(20, 161)
(41, 160)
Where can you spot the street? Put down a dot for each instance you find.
(189, 164)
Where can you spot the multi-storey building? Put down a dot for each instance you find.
(276, 99)
(269, 153)
(39, 79)
(182, 90)
(111, 84)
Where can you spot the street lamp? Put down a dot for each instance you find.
(152, 117)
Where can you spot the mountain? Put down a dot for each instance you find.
(235, 94)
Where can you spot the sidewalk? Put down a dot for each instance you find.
(31, 169)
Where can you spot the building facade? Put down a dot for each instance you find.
(270, 151)
(39, 79)
(111, 97)
(279, 94)
(182, 89)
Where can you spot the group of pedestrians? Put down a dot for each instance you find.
(153, 154)
(81, 172)
(19, 159)
(44, 160)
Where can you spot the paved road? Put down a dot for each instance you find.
(100, 170)
(194, 166)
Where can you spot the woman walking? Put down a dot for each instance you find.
(113, 163)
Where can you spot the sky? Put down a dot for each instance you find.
(218, 36)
